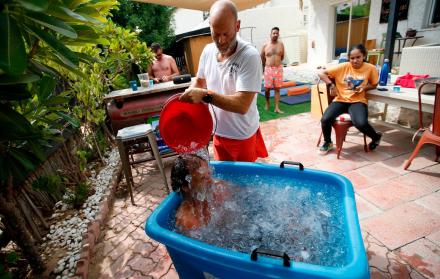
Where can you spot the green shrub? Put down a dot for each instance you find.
(52, 184)
(80, 194)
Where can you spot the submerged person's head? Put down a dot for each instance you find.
(224, 25)
(357, 55)
(190, 173)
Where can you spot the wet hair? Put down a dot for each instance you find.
(361, 48)
(155, 47)
(180, 170)
(275, 28)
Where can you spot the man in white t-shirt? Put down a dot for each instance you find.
(229, 77)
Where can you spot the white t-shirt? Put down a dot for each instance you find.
(240, 72)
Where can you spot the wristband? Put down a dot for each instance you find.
(208, 98)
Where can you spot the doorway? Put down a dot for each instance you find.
(351, 25)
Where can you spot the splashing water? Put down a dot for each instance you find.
(300, 217)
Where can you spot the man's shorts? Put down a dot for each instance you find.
(273, 76)
(247, 150)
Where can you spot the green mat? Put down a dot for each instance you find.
(266, 115)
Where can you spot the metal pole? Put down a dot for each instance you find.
(391, 30)
(349, 27)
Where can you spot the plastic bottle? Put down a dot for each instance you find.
(383, 78)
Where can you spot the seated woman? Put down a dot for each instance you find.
(352, 80)
(191, 176)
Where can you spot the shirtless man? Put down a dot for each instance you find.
(164, 67)
(272, 55)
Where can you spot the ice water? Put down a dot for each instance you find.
(300, 217)
(143, 79)
(144, 83)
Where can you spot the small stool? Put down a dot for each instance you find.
(144, 137)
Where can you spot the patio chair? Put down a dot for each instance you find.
(432, 134)
(341, 125)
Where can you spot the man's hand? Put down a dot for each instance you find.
(193, 95)
(156, 80)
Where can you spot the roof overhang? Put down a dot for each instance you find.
(202, 5)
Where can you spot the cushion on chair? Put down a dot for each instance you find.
(345, 117)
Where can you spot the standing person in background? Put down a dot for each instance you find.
(352, 80)
(272, 54)
(229, 77)
(164, 67)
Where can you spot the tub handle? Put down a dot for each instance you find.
(273, 253)
(301, 167)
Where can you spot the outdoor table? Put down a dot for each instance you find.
(404, 39)
(406, 98)
(127, 107)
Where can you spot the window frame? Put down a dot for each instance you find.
(431, 6)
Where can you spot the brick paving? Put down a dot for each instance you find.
(399, 210)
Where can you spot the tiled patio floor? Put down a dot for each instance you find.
(399, 210)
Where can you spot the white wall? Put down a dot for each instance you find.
(321, 30)
(185, 20)
(287, 18)
(275, 13)
(417, 13)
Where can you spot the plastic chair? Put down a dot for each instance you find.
(341, 125)
(432, 134)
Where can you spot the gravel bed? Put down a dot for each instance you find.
(67, 233)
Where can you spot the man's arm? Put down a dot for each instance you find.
(151, 74)
(150, 71)
(174, 69)
(282, 51)
(239, 102)
(198, 83)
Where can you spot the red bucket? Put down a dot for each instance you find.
(185, 127)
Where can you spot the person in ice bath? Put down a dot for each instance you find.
(191, 176)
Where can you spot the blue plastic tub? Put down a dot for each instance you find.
(195, 259)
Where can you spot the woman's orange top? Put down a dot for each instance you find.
(348, 78)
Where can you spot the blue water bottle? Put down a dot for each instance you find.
(383, 78)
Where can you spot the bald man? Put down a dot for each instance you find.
(229, 77)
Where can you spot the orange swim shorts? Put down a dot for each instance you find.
(273, 76)
(247, 150)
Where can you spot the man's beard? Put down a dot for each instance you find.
(230, 47)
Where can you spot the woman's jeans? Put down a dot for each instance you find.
(359, 116)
